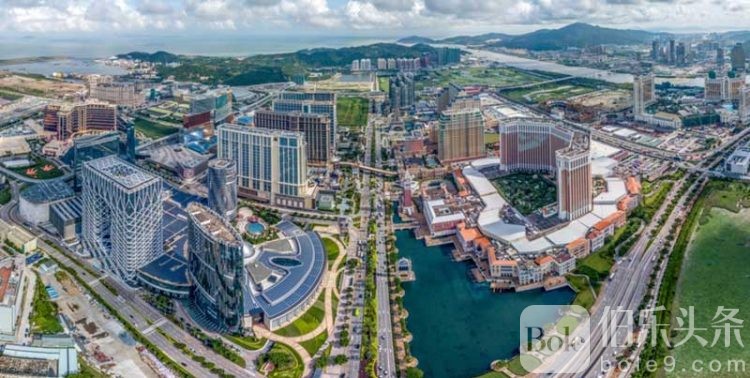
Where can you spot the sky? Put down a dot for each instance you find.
(434, 18)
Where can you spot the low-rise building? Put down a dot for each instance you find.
(441, 219)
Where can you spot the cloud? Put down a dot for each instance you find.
(431, 17)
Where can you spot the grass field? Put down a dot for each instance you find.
(584, 296)
(10, 96)
(247, 342)
(5, 195)
(38, 171)
(288, 363)
(332, 250)
(526, 192)
(151, 129)
(310, 320)
(43, 311)
(552, 91)
(352, 112)
(493, 374)
(312, 345)
(488, 76)
(383, 84)
(715, 274)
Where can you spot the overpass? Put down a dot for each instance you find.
(367, 168)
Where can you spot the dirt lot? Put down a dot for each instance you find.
(38, 86)
(606, 99)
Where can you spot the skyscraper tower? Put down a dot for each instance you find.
(644, 93)
(222, 187)
(671, 58)
(655, 50)
(738, 57)
(574, 186)
(719, 57)
(215, 267)
(122, 215)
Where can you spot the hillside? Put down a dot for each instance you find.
(157, 57)
(573, 35)
(576, 35)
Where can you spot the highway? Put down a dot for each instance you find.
(137, 312)
(386, 366)
(626, 289)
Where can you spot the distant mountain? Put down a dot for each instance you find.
(576, 35)
(476, 39)
(412, 39)
(739, 35)
(458, 40)
(157, 57)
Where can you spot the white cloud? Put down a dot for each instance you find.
(435, 17)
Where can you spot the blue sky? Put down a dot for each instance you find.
(360, 17)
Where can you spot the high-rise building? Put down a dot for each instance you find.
(460, 135)
(217, 101)
(315, 127)
(365, 64)
(122, 215)
(92, 147)
(309, 102)
(355, 65)
(382, 64)
(271, 164)
(401, 91)
(215, 267)
(574, 184)
(445, 97)
(68, 119)
(644, 92)
(738, 57)
(118, 93)
(744, 107)
(723, 87)
(529, 144)
(655, 50)
(221, 180)
(671, 52)
(719, 58)
(391, 63)
(448, 55)
(681, 54)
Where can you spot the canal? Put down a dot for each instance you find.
(459, 327)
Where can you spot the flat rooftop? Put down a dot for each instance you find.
(48, 191)
(213, 223)
(125, 174)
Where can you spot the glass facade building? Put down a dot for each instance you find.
(222, 187)
(215, 267)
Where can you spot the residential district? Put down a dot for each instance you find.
(158, 226)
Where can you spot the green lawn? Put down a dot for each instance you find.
(493, 374)
(10, 96)
(312, 345)
(43, 311)
(247, 342)
(553, 91)
(584, 296)
(714, 274)
(288, 363)
(567, 325)
(151, 129)
(352, 111)
(310, 320)
(37, 170)
(515, 367)
(527, 192)
(332, 250)
(5, 196)
(488, 76)
(383, 84)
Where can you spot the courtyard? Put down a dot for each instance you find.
(527, 192)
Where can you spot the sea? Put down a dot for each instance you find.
(79, 53)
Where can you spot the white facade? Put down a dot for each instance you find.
(122, 215)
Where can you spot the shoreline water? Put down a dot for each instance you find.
(458, 326)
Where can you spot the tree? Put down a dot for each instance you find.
(413, 372)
